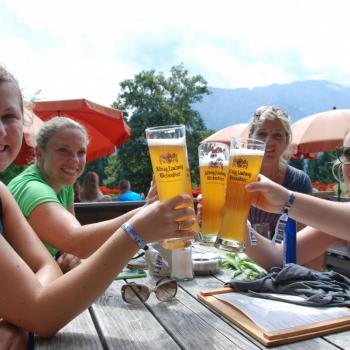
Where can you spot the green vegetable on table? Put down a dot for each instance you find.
(243, 267)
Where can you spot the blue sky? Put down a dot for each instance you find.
(76, 48)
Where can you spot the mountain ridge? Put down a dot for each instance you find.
(224, 107)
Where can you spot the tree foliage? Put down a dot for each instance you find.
(320, 169)
(152, 99)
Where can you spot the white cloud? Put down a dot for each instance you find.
(72, 49)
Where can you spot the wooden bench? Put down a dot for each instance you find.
(90, 212)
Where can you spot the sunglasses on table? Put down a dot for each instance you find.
(343, 155)
(134, 293)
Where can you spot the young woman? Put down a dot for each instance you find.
(34, 295)
(272, 125)
(44, 191)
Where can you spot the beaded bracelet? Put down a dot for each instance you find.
(134, 235)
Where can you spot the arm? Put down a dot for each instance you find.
(59, 227)
(311, 243)
(326, 216)
(44, 309)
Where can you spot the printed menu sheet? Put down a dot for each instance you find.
(271, 315)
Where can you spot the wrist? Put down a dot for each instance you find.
(289, 202)
(134, 235)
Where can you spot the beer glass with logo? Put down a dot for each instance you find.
(246, 156)
(168, 151)
(213, 167)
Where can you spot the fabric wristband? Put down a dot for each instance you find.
(134, 235)
(289, 202)
(282, 221)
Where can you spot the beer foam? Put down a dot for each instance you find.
(244, 152)
(205, 161)
(169, 142)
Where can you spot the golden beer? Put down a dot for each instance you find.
(213, 167)
(244, 167)
(171, 170)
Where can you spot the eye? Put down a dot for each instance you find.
(11, 117)
(261, 135)
(82, 153)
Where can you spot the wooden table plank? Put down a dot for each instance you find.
(193, 325)
(126, 326)
(341, 339)
(80, 333)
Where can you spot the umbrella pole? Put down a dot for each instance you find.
(339, 191)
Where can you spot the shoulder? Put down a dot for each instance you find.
(297, 180)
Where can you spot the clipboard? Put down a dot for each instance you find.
(288, 335)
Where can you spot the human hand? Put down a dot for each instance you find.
(12, 337)
(67, 262)
(159, 220)
(268, 195)
(152, 194)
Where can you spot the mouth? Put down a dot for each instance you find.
(3, 148)
(70, 172)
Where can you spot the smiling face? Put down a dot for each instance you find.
(11, 125)
(272, 132)
(64, 158)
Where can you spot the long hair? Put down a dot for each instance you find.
(90, 186)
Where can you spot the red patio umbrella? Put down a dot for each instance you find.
(225, 135)
(321, 132)
(105, 126)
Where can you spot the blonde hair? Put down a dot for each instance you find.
(273, 113)
(54, 126)
(337, 170)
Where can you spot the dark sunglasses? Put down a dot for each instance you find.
(343, 154)
(281, 112)
(134, 293)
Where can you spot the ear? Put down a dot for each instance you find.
(38, 153)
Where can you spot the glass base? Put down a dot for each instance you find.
(207, 239)
(229, 244)
(176, 243)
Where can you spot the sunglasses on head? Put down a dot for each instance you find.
(281, 112)
(134, 293)
(343, 155)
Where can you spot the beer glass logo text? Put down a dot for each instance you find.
(240, 163)
(169, 170)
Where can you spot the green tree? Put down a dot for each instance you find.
(152, 99)
(320, 169)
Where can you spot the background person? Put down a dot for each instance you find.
(33, 295)
(126, 193)
(90, 191)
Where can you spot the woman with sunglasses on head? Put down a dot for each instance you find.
(325, 219)
(34, 295)
(272, 125)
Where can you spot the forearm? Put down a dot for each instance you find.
(330, 217)
(48, 273)
(265, 253)
(52, 306)
(87, 239)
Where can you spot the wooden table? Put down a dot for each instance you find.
(184, 323)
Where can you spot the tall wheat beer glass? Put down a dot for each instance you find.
(213, 167)
(246, 156)
(168, 151)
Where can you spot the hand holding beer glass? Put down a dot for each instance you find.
(168, 151)
(246, 155)
(213, 167)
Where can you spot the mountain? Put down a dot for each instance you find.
(224, 107)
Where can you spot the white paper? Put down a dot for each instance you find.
(271, 315)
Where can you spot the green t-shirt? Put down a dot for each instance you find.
(30, 189)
